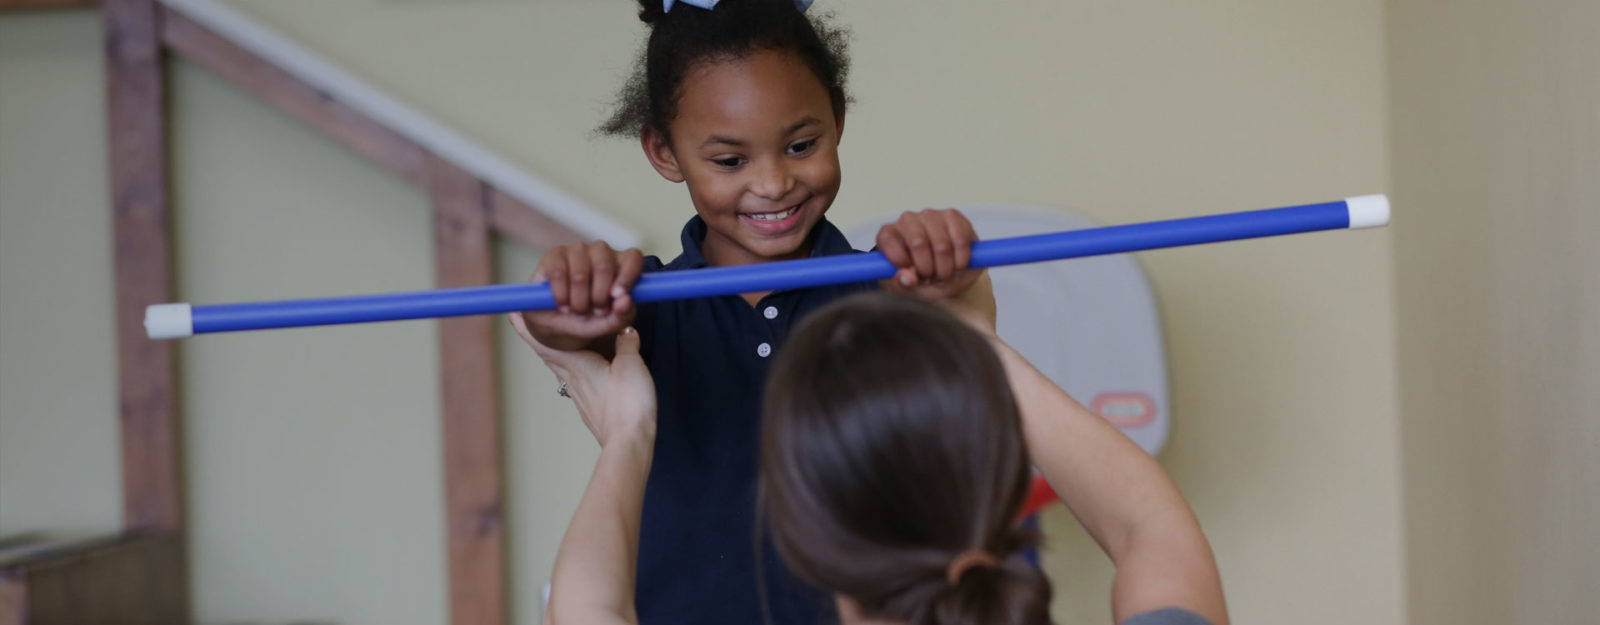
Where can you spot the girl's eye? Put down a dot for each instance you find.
(802, 147)
(729, 162)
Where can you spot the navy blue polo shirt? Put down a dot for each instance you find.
(709, 357)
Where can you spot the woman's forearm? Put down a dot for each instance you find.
(1121, 496)
(595, 567)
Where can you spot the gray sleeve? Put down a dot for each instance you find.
(1168, 616)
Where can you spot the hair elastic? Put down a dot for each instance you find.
(666, 5)
(968, 560)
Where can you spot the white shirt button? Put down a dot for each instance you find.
(771, 312)
(763, 350)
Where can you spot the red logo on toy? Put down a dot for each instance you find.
(1125, 409)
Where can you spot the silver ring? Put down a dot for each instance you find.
(562, 390)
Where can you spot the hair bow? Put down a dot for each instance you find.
(666, 5)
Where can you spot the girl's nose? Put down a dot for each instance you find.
(773, 181)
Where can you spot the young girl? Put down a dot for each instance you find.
(745, 104)
(895, 451)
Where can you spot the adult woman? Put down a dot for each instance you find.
(896, 444)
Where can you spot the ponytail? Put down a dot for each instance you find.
(1013, 592)
(893, 466)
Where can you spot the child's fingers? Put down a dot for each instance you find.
(916, 237)
(962, 237)
(578, 275)
(893, 246)
(939, 241)
(553, 268)
(603, 264)
(629, 264)
(621, 304)
(907, 277)
(892, 243)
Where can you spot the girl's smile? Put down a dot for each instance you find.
(776, 222)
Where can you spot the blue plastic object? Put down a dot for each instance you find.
(772, 276)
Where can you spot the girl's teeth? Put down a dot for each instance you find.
(773, 216)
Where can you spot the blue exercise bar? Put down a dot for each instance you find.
(167, 321)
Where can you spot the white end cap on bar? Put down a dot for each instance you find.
(169, 321)
(1368, 211)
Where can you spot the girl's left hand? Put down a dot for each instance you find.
(932, 248)
(616, 398)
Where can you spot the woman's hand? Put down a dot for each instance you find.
(616, 398)
(593, 580)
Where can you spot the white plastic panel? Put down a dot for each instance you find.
(1088, 323)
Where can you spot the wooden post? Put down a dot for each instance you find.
(472, 469)
(147, 370)
(152, 487)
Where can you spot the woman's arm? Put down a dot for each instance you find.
(594, 573)
(1117, 491)
(1123, 499)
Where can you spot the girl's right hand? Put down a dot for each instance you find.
(590, 284)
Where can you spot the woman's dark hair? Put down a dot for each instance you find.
(890, 445)
(689, 35)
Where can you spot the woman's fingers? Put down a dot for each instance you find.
(521, 326)
(628, 342)
(608, 394)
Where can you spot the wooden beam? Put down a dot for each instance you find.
(13, 599)
(146, 370)
(511, 217)
(464, 256)
(343, 123)
(27, 5)
(299, 100)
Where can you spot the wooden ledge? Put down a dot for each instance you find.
(128, 579)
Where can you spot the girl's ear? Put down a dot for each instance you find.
(659, 151)
(838, 124)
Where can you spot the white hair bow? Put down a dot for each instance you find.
(666, 5)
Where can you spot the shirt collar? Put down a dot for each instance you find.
(826, 240)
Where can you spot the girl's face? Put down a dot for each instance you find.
(756, 139)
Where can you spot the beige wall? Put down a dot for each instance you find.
(313, 453)
(1496, 118)
(58, 393)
